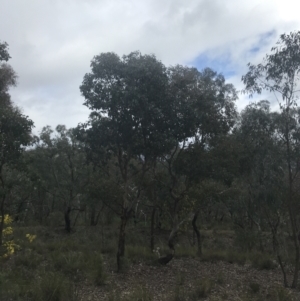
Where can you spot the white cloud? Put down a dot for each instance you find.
(53, 42)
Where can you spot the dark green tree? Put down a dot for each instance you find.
(15, 131)
(279, 74)
(203, 109)
(59, 161)
(129, 122)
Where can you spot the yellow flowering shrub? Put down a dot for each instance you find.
(31, 237)
(9, 244)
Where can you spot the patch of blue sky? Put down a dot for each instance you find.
(262, 41)
(221, 64)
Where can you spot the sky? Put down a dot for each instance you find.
(52, 43)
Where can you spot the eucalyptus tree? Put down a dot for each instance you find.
(60, 164)
(15, 131)
(260, 205)
(203, 109)
(279, 74)
(129, 122)
(261, 160)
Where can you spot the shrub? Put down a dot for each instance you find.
(186, 252)
(236, 257)
(8, 244)
(213, 256)
(262, 261)
(246, 239)
(96, 269)
(52, 287)
(28, 259)
(229, 256)
(281, 294)
(139, 253)
(79, 264)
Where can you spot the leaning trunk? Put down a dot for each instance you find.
(198, 235)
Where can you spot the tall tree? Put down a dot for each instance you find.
(60, 163)
(129, 121)
(279, 74)
(203, 108)
(15, 130)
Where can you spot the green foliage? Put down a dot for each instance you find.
(28, 259)
(262, 261)
(124, 265)
(52, 287)
(186, 251)
(15, 131)
(138, 253)
(227, 255)
(282, 294)
(55, 219)
(77, 264)
(14, 285)
(4, 55)
(246, 239)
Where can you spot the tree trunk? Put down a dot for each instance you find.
(1, 232)
(67, 219)
(290, 206)
(198, 234)
(2, 219)
(276, 250)
(97, 217)
(93, 215)
(152, 228)
(76, 218)
(297, 255)
(121, 243)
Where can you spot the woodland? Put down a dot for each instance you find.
(166, 192)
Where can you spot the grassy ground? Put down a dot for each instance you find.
(56, 266)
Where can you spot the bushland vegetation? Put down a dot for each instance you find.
(166, 185)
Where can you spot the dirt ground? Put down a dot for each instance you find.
(229, 282)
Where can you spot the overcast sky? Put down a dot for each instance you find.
(53, 41)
